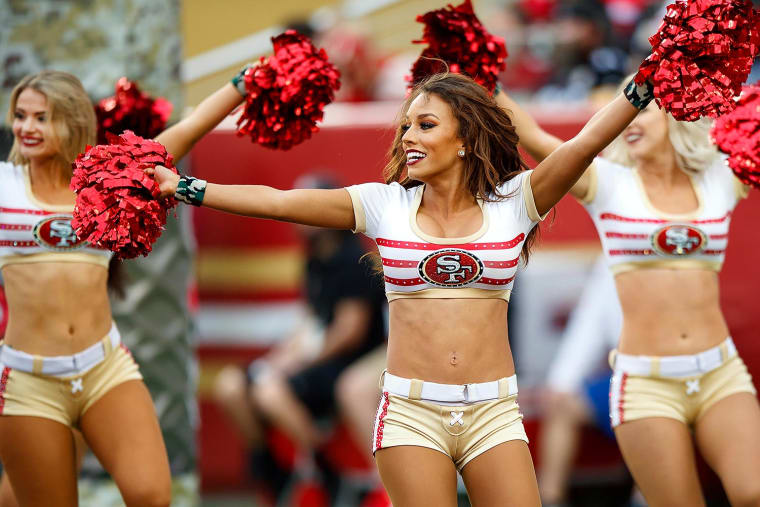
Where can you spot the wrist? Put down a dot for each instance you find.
(238, 81)
(639, 95)
(190, 190)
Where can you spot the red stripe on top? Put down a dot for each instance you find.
(8, 242)
(23, 211)
(620, 218)
(622, 235)
(714, 252)
(412, 245)
(652, 252)
(15, 227)
(404, 282)
(3, 385)
(400, 263)
(718, 236)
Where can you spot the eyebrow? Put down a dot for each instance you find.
(22, 110)
(423, 115)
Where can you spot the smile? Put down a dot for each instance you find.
(414, 156)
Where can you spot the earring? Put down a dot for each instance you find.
(461, 153)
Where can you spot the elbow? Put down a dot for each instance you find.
(582, 150)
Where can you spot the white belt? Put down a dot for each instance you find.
(61, 366)
(416, 389)
(674, 366)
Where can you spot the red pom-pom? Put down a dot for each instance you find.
(456, 36)
(117, 206)
(738, 135)
(131, 109)
(287, 93)
(701, 55)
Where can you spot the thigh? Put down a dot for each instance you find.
(39, 457)
(502, 476)
(122, 430)
(417, 476)
(728, 436)
(660, 455)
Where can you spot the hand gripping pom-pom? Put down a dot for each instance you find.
(456, 36)
(701, 55)
(131, 109)
(738, 135)
(287, 93)
(117, 206)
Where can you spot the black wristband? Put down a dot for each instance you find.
(640, 95)
(190, 190)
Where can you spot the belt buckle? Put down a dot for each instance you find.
(466, 393)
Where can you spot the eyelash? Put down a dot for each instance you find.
(20, 116)
(424, 125)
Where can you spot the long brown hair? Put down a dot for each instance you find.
(490, 140)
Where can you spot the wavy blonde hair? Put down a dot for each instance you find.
(71, 113)
(695, 151)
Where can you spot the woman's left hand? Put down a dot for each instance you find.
(166, 179)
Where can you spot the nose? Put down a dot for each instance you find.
(407, 138)
(27, 125)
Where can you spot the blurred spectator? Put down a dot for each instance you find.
(293, 386)
(577, 389)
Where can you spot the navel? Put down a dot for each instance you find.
(453, 359)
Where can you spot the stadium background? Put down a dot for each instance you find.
(221, 288)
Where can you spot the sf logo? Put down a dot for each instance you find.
(62, 230)
(450, 265)
(678, 237)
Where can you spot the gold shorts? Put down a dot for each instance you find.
(462, 432)
(685, 399)
(64, 398)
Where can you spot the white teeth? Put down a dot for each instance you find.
(632, 137)
(414, 156)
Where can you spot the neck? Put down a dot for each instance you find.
(48, 172)
(447, 196)
(661, 165)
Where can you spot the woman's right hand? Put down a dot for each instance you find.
(167, 179)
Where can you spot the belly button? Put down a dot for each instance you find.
(71, 330)
(684, 336)
(453, 359)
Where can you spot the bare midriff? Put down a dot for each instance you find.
(56, 308)
(449, 341)
(670, 312)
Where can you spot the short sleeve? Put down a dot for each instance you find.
(720, 175)
(370, 200)
(602, 184)
(519, 189)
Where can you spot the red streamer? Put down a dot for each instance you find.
(738, 135)
(131, 109)
(456, 36)
(287, 93)
(701, 55)
(117, 204)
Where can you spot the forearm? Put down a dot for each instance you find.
(536, 141)
(181, 137)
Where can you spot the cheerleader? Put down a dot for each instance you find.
(63, 364)
(457, 211)
(661, 200)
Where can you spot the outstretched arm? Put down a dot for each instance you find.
(536, 141)
(320, 208)
(179, 138)
(557, 174)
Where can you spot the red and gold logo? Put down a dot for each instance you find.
(679, 240)
(55, 233)
(451, 268)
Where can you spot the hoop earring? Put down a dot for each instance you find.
(461, 153)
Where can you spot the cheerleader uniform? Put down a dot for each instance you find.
(461, 421)
(635, 235)
(60, 388)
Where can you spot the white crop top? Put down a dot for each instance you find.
(636, 235)
(417, 265)
(32, 231)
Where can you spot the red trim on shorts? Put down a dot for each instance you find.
(126, 349)
(3, 384)
(381, 423)
(620, 400)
